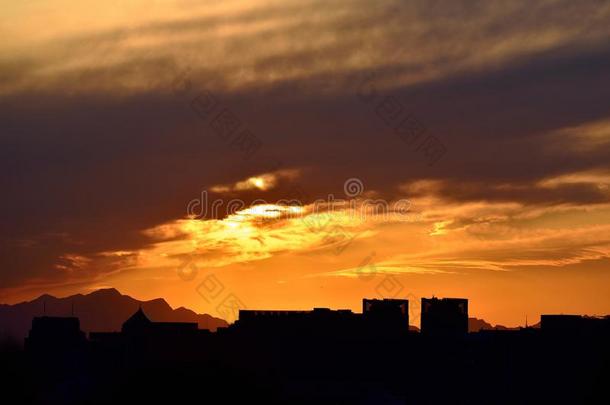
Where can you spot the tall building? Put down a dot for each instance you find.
(391, 313)
(444, 316)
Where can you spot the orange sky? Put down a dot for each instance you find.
(106, 148)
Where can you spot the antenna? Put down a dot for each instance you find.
(525, 320)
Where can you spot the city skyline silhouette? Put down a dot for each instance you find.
(288, 356)
(305, 201)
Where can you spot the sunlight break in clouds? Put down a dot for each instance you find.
(263, 182)
(254, 233)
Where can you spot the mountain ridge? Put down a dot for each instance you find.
(102, 310)
(105, 310)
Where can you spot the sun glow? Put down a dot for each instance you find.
(253, 233)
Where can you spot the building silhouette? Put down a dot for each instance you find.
(570, 325)
(317, 323)
(51, 333)
(444, 316)
(387, 313)
(139, 323)
(327, 356)
(387, 316)
(142, 341)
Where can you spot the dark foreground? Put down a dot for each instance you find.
(529, 366)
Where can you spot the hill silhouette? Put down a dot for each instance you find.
(476, 324)
(103, 310)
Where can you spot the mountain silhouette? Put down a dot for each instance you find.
(476, 324)
(103, 310)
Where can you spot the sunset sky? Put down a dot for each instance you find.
(119, 119)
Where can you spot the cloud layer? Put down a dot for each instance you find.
(110, 128)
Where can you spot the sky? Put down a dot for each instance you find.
(298, 154)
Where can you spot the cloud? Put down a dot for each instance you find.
(272, 43)
(263, 182)
(100, 154)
